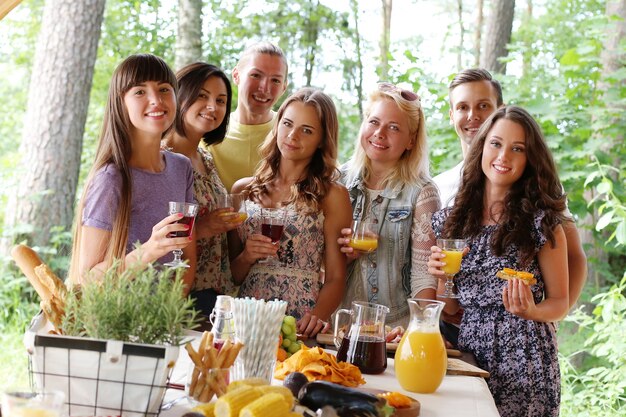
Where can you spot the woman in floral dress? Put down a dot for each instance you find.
(508, 325)
(298, 173)
(205, 100)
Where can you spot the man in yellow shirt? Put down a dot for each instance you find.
(261, 78)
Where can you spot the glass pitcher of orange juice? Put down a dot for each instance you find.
(421, 359)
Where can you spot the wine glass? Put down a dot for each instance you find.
(453, 249)
(189, 211)
(237, 202)
(364, 237)
(272, 224)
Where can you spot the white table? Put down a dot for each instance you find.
(458, 396)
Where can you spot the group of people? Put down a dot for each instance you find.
(171, 137)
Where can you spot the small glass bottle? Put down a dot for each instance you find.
(221, 319)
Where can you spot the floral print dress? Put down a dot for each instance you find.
(520, 355)
(213, 266)
(296, 279)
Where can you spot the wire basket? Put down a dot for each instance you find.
(100, 377)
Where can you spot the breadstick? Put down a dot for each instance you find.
(195, 356)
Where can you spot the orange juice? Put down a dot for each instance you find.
(237, 216)
(453, 261)
(33, 412)
(421, 361)
(365, 244)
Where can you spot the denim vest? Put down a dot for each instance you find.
(387, 274)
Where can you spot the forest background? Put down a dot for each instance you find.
(563, 60)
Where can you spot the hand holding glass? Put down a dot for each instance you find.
(189, 211)
(272, 224)
(364, 238)
(453, 249)
(238, 204)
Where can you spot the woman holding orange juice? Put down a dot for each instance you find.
(392, 200)
(204, 101)
(507, 210)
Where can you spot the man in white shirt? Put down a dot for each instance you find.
(261, 78)
(474, 95)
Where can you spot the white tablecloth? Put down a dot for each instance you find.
(458, 396)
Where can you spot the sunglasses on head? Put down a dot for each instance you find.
(405, 94)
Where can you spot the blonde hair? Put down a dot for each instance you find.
(309, 191)
(263, 48)
(413, 165)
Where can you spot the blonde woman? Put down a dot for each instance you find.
(388, 182)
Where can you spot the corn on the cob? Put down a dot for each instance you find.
(277, 389)
(207, 409)
(229, 404)
(269, 405)
(247, 381)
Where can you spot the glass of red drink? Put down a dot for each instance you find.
(189, 211)
(272, 224)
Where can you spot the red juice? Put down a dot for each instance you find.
(368, 353)
(273, 231)
(188, 220)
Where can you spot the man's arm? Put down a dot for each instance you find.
(576, 260)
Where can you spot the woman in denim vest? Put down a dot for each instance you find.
(388, 181)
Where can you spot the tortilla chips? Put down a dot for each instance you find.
(319, 365)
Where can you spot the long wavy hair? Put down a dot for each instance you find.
(114, 148)
(191, 78)
(537, 189)
(308, 192)
(413, 166)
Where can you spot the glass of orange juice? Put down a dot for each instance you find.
(453, 249)
(235, 201)
(26, 403)
(364, 237)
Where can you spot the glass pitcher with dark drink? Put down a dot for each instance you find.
(223, 324)
(364, 343)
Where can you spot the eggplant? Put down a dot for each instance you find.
(348, 402)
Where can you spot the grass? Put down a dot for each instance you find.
(13, 360)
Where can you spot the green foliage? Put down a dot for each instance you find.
(599, 390)
(138, 305)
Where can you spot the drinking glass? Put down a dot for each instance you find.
(272, 224)
(25, 403)
(238, 204)
(364, 237)
(453, 249)
(189, 211)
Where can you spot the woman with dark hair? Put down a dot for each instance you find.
(126, 195)
(204, 99)
(298, 172)
(509, 209)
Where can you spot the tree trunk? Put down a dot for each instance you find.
(478, 32)
(189, 36)
(499, 29)
(357, 36)
(383, 69)
(528, 51)
(311, 34)
(612, 58)
(459, 55)
(54, 123)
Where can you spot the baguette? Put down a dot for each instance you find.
(48, 286)
(27, 260)
(508, 273)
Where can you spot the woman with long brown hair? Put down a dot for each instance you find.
(298, 173)
(123, 212)
(509, 210)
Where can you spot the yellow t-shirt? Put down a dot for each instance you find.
(238, 155)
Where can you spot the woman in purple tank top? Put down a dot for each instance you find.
(123, 212)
